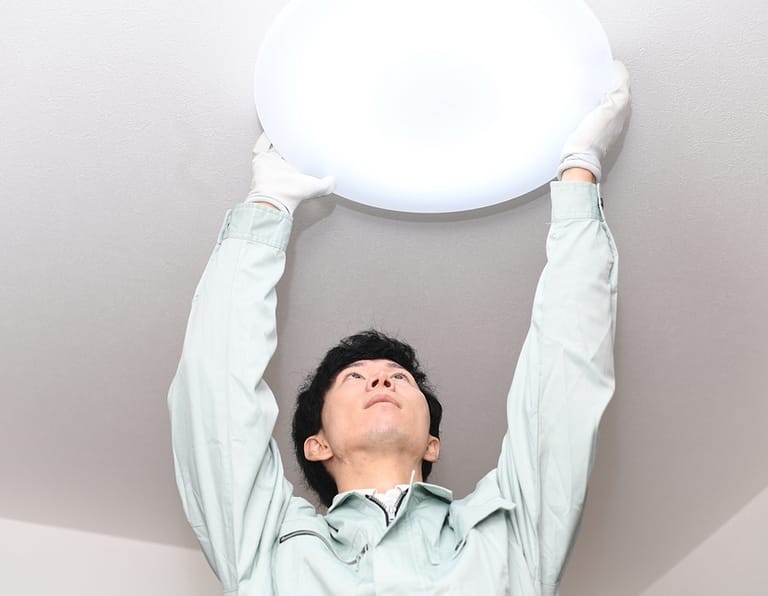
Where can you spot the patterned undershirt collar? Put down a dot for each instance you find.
(389, 500)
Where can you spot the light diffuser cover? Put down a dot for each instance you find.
(429, 105)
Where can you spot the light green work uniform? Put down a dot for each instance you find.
(511, 535)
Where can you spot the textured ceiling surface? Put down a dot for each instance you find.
(125, 132)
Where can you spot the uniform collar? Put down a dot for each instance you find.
(430, 489)
(354, 519)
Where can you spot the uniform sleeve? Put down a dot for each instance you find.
(562, 384)
(228, 469)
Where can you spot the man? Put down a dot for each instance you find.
(366, 427)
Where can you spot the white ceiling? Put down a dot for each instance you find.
(125, 132)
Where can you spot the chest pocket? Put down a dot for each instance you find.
(472, 553)
(468, 516)
(312, 535)
(308, 563)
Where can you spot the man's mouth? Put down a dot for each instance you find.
(382, 398)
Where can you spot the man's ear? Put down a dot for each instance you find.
(316, 448)
(432, 454)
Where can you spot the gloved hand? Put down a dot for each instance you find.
(278, 183)
(588, 144)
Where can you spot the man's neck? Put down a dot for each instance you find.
(379, 474)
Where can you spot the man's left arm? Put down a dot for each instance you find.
(565, 376)
(563, 381)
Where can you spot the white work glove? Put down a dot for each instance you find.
(588, 144)
(278, 183)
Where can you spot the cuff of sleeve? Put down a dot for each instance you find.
(575, 200)
(256, 223)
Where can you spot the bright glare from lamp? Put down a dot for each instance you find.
(430, 105)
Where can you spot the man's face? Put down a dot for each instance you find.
(376, 406)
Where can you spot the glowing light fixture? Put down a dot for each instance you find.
(430, 105)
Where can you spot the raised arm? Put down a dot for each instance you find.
(228, 468)
(564, 377)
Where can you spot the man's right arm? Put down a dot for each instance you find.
(228, 469)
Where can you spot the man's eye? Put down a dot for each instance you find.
(353, 375)
(401, 376)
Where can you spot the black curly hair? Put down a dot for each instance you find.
(366, 345)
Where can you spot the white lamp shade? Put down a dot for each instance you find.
(430, 105)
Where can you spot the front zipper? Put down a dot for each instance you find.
(373, 499)
(399, 502)
(325, 541)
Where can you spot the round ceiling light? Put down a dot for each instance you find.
(430, 105)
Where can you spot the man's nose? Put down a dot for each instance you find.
(380, 379)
